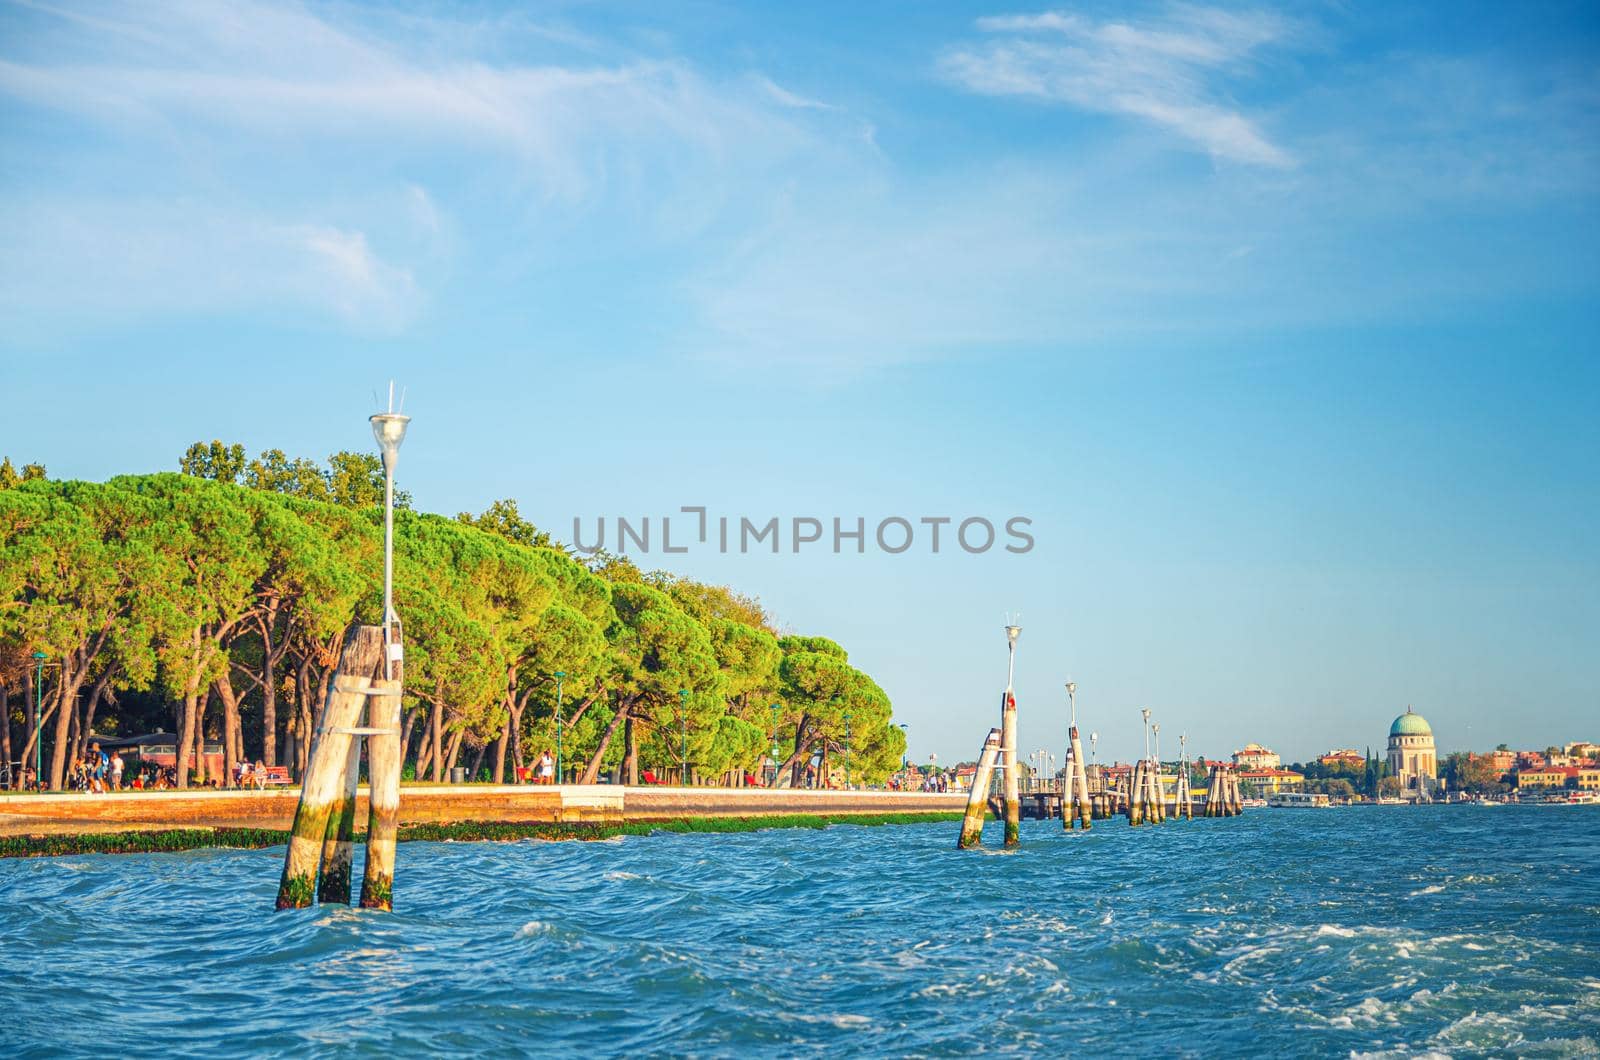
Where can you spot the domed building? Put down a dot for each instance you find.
(1412, 757)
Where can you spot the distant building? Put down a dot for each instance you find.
(1502, 761)
(1582, 749)
(1343, 759)
(1587, 777)
(1272, 781)
(1412, 756)
(1254, 756)
(1541, 778)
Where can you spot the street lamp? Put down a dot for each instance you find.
(1094, 746)
(1146, 712)
(561, 676)
(683, 721)
(1072, 698)
(1155, 730)
(1012, 633)
(389, 428)
(38, 720)
(905, 756)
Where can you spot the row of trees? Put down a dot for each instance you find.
(217, 600)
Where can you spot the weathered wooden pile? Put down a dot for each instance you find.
(322, 841)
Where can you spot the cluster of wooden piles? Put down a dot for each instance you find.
(322, 842)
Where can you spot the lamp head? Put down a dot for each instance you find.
(40, 655)
(561, 673)
(1012, 633)
(389, 428)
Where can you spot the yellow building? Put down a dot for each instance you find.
(1272, 781)
(1589, 778)
(1541, 778)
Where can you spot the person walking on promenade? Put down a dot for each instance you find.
(547, 768)
(117, 766)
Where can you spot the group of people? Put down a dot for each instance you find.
(96, 771)
(913, 781)
(100, 772)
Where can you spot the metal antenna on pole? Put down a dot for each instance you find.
(1013, 631)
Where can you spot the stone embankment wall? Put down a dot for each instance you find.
(79, 813)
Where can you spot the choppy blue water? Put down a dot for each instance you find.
(1450, 930)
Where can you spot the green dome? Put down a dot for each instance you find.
(1409, 724)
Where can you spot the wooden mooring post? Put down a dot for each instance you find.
(1157, 812)
(321, 847)
(1136, 794)
(1008, 759)
(978, 798)
(1076, 809)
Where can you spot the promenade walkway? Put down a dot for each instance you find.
(80, 813)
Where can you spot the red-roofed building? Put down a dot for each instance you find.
(1254, 756)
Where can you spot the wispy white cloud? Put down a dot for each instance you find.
(348, 109)
(1163, 71)
(89, 261)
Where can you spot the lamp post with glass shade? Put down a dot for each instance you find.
(389, 428)
(1161, 797)
(905, 755)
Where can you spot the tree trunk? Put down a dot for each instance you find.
(5, 731)
(185, 738)
(74, 735)
(203, 706)
(500, 756)
(100, 691)
(591, 772)
(630, 754)
(424, 745)
(269, 685)
(515, 731)
(302, 729)
(230, 727)
(66, 698)
(477, 761)
(582, 708)
(437, 758)
(791, 765)
(455, 749)
(408, 729)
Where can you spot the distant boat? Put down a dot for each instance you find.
(1299, 800)
(1571, 798)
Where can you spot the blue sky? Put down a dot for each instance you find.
(1278, 322)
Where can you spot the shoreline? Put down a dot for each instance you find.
(48, 821)
(174, 840)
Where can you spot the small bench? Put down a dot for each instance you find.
(271, 776)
